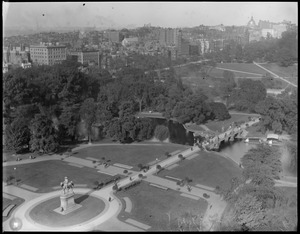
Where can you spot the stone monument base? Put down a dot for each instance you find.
(67, 204)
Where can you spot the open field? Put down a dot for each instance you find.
(208, 169)
(151, 206)
(217, 125)
(130, 155)
(289, 73)
(48, 174)
(243, 67)
(218, 73)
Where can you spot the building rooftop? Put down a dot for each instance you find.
(43, 45)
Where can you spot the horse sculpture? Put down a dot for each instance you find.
(66, 185)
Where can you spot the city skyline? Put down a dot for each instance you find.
(136, 14)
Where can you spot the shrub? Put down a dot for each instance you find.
(9, 179)
(180, 156)
(132, 185)
(188, 180)
(206, 195)
(178, 183)
(140, 176)
(161, 132)
(115, 187)
(96, 183)
(125, 171)
(140, 166)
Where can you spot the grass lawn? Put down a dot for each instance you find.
(291, 71)
(43, 213)
(207, 169)
(217, 125)
(45, 175)
(130, 155)
(150, 206)
(254, 131)
(243, 67)
(218, 73)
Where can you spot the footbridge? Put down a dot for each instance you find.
(213, 141)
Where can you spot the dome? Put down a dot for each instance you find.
(251, 23)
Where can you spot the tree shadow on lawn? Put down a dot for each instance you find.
(83, 197)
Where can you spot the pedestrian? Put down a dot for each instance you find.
(109, 199)
(210, 206)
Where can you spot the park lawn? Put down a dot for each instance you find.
(43, 213)
(218, 73)
(243, 67)
(130, 155)
(208, 169)
(289, 73)
(150, 206)
(217, 125)
(48, 174)
(254, 131)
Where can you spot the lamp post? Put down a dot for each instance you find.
(15, 169)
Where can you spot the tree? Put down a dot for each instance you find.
(250, 93)
(43, 135)
(262, 155)
(180, 156)
(219, 110)
(249, 211)
(69, 119)
(158, 168)
(278, 114)
(88, 114)
(17, 135)
(227, 84)
(161, 132)
(126, 109)
(292, 147)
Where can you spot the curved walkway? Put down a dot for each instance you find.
(114, 207)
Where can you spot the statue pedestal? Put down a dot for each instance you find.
(67, 204)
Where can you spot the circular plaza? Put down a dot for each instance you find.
(39, 213)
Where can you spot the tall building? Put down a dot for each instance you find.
(47, 54)
(87, 57)
(170, 37)
(15, 55)
(254, 31)
(184, 48)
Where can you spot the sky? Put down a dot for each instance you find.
(163, 14)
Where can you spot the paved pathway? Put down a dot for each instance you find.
(114, 207)
(275, 75)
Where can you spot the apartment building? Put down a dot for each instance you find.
(48, 54)
(87, 57)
